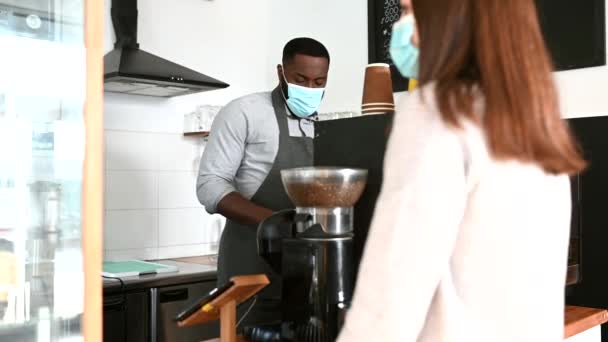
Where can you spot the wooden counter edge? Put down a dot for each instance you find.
(579, 319)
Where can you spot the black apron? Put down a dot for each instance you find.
(238, 253)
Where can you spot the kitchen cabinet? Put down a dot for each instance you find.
(172, 300)
(124, 317)
(114, 318)
(148, 315)
(143, 308)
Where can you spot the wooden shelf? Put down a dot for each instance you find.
(196, 134)
(579, 319)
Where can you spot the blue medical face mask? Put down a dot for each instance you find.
(403, 53)
(303, 101)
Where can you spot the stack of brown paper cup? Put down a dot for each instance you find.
(377, 90)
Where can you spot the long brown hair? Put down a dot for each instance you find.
(496, 46)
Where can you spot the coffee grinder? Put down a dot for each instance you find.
(312, 249)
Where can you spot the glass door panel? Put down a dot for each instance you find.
(42, 92)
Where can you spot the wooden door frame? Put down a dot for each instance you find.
(92, 189)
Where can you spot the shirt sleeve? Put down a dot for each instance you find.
(413, 231)
(222, 156)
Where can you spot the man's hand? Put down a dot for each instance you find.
(237, 208)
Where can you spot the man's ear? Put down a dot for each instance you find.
(279, 71)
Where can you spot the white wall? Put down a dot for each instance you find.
(241, 42)
(591, 335)
(151, 206)
(584, 92)
(341, 25)
(224, 39)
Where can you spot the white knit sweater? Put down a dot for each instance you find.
(462, 247)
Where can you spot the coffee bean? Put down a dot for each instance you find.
(325, 195)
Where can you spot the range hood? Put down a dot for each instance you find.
(127, 69)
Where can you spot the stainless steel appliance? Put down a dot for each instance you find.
(312, 249)
(167, 302)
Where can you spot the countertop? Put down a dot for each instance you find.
(191, 270)
(204, 268)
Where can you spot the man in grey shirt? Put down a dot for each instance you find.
(251, 140)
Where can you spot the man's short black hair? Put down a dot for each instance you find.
(303, 46)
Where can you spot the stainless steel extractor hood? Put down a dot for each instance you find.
(128, 69)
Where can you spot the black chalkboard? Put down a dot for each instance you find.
(580, 43)
(382, 14)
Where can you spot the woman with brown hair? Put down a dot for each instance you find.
(470, 236)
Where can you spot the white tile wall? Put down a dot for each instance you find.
(131, 150)
(177, 189)
(138, 113)
(150, 184)
(179, 251)
(131, 190)
(179, 153)
(130, 229)
(182, 226)
(127, 254)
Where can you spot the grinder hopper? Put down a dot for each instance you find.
(327, 194)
